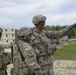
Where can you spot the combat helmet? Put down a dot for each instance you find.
(37, 18)
(24, 32)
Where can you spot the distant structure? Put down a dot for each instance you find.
(8, 36)
(64, 39)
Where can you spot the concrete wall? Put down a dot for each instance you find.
(8, 36)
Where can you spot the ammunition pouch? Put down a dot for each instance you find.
(46, 60)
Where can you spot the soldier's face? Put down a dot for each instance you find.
(41, 25)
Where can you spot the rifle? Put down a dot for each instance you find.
(23, 59)
(12, 53)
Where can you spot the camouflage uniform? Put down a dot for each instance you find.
(29, 66)
(4, 59)
(43, 44)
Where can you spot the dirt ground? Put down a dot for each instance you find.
(65, 67)
(61, 67)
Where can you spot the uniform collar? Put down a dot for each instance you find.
(37, 31)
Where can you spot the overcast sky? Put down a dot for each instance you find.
(19, 13)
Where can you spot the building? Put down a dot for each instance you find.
(8, 36)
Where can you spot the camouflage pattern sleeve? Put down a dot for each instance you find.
(60, 33)
(30, 57)
(4, 57)
(1, 52)
(1, 49)
(0, 63)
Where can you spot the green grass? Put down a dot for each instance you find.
(67, 51)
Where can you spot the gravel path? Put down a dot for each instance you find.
(65, 67)
(61, 67)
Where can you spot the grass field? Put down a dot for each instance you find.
(66, 51)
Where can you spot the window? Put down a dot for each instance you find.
(13, 40)
(12, 35)
(6, 35)
(5, 29)
(12, 29)
(6, 40)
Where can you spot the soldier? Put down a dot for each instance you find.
(4, 59)
(24, 57)
(41, 40)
